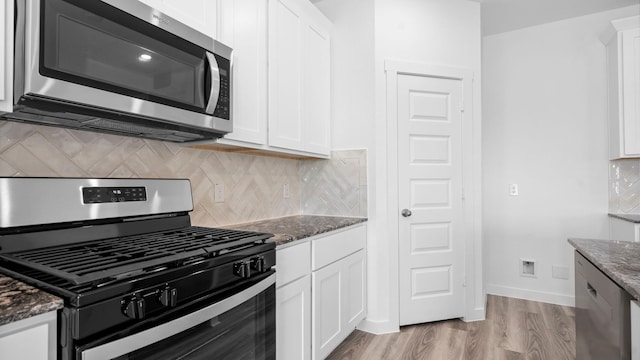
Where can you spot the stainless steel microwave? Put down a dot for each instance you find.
(120, 67)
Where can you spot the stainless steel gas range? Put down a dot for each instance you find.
(138, 281)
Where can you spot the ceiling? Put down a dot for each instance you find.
(506, 15)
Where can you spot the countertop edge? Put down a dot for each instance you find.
(296, 228)
(606, 268)
(304, 239)
(20, 301)
(632, 218)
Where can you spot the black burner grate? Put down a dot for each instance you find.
(124, 256)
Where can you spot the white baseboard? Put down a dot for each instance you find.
(377, 327)
(541, 296)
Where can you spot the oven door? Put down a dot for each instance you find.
(241, 326)
(123, 56)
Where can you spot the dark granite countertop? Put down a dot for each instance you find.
(635, 218)
(19, 301)
(620, 260)
(291, 228)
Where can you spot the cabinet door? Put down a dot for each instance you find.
(198, 14)
(293, 320)
(316, 114)
(243, 26)
(622, 39)
(355, 289)
(27, 344)
(6, 57)
(338, 302)
(299, 77)
(327, 309)
(32, 338)
(630, 85)
(285, 74)
(635, 330)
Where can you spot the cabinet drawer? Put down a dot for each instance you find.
(334, 247)
(292, 263)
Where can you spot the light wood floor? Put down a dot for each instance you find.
(514, 329)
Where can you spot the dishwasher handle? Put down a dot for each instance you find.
(592, 291)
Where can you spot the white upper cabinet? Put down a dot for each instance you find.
(281, 75)
(198, 14)
(243, 26)
(623, 62)
(6, 57)
(299, 77)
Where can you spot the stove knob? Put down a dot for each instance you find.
(130, 309)
(258, 264)
(134, 308)
(141, 308)
(242, 269)
(168, 297)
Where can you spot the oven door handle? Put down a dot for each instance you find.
(144, 338)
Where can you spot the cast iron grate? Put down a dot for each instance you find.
(123, 256)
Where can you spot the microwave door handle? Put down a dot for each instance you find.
(214, 72)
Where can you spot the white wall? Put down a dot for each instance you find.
(436, 32)
(544, 128)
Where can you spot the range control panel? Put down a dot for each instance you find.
(98, 195)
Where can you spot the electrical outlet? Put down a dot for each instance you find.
(513, 190)
(218, 193)
(528, 268)
(285, 191)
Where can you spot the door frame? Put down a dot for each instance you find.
(475, 296)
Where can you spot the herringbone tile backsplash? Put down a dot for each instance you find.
(253, 185)
(624, 186)
(337, 186)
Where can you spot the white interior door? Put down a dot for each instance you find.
(431, 243)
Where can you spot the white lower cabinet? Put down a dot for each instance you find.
(320, 293)
(338, 302)
(338, 279)
(32, 338)
(635, 330)
(293, 320)
(293, 302)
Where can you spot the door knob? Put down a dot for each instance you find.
(406, 212)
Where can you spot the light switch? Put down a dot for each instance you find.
(513, 190)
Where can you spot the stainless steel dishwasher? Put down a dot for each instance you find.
(603, 322)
